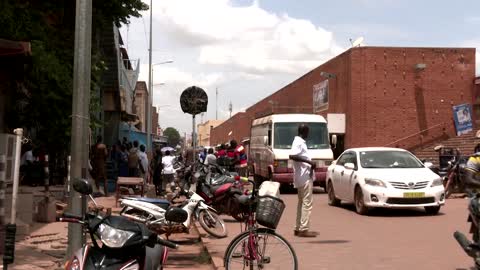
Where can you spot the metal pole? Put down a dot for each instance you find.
(3, 175)
(150, 86)
(68, 177)
(216, 103)
(194, 140)
(80, 115)
(16, 173)
(47, 180)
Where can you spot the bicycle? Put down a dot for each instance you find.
(249, 249)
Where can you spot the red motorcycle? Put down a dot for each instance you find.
(219, 189)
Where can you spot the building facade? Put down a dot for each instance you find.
(388, 96)
(203, 131)
(140, 105)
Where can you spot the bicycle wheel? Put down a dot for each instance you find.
(262, 249)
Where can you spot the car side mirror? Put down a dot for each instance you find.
(428, 165)
(349, 166)
(82, 186)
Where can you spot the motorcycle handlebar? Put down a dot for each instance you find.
(167, 243)
(71, 216)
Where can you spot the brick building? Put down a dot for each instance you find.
(390, 96)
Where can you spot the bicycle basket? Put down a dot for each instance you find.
(269, 211)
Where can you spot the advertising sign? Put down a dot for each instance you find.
(320, 96)
(462, 115)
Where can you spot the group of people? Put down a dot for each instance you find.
(232, 156)
(130, 159)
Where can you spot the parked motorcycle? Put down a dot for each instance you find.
(472, 249)
(152, 212)
(219, 189)
(125, 244)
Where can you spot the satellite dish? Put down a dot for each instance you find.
(357, 42)
(194, 100)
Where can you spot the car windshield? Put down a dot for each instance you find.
(284, 133)
(388, 159)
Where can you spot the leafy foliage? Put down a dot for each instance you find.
(43, 101)
(173, 137)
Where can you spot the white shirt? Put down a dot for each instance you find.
(301, 170)
(27, 156)
(211, 159)
(143, 160)
(167, 162)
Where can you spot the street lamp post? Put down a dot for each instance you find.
(150, 97)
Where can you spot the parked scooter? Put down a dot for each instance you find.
(472, 248)
(152, 213)
(125, 244)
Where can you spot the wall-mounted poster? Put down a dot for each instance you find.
(320, 96)
(462, 115)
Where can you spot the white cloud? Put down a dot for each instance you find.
(246, 51)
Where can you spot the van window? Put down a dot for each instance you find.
(284, 133)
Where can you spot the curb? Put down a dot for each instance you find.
(204, 245)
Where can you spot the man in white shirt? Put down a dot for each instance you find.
(168, 170)
(211, 159)
(303, 168)
(143, 160)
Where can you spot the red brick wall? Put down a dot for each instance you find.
(239, 125)
(392, 100)
(382, 94)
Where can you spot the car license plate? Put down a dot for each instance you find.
(414, 194)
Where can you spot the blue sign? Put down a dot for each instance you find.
(462, 115)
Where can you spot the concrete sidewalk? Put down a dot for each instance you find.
(45, 247)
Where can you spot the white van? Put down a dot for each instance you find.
(271, 140)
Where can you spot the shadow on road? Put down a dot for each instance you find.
(393, 213)
(329, 242)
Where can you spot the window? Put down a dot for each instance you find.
(388, 159)
(284, 133)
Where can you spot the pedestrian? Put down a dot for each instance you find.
(221, 152)
(123, 162)
(133, 161)
(203, 155)
(303, 168)
(241, 159)
(143, 159)
(99, 155)
(26, 164)
(156, 168)
(211, 159)
(168, 171)
(476, 149)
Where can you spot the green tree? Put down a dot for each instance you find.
(43, 102)
(173, 137)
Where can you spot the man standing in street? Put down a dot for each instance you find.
(168, 171)
(143, 164)
(303, 168)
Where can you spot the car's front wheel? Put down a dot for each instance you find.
(432, 210)
(332, 198)
(360, 206)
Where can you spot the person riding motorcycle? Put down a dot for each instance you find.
(472, 172)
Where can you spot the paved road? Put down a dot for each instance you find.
(405, 239)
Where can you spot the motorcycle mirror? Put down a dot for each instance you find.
(82, 186)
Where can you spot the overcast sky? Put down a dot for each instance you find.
(250, 49)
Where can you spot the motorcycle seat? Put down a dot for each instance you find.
(158, 202)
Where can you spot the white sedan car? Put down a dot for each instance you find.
(383, 177)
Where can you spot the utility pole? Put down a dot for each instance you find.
(150, 87)
(80, 116)
(216, 103)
